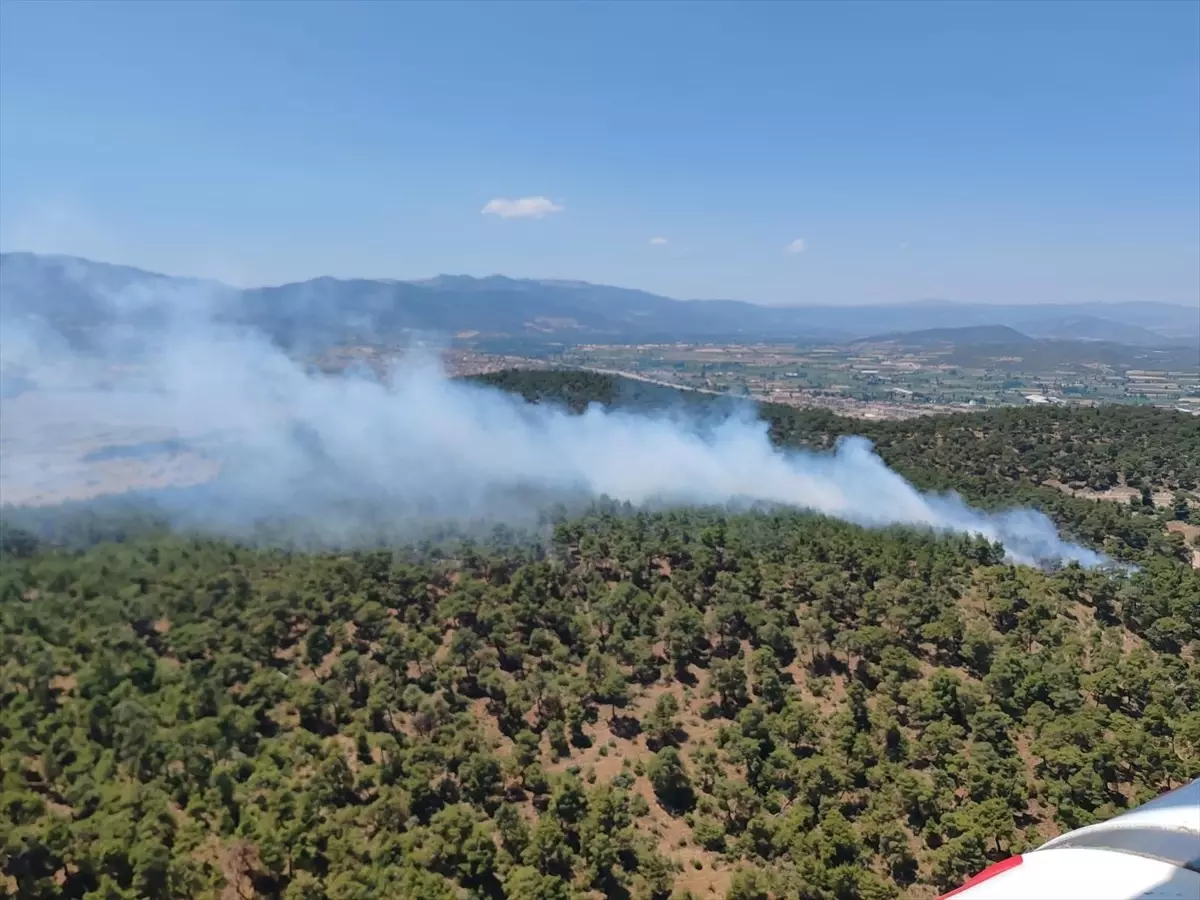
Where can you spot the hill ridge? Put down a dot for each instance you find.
(973, 334)
(66, 291)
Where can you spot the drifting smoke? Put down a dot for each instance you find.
(336, 451)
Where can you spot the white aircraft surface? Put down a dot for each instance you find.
(1152, 851)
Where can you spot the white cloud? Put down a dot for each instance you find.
(658, 241)
(796, 246)
(523, 208)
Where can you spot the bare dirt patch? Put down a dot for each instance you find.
(675, 842)
(831, 700)
(704, 873)
(64, 684)
(491, 731)
(606, 754)
(1191, 534)
(1120, 493)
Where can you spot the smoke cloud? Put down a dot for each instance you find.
(213, 404)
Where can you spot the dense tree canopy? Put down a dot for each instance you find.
(623, 704)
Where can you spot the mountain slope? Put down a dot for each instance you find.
(1093, 328)
(76, 296)
(968, 334)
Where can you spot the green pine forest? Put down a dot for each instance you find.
(680, 704)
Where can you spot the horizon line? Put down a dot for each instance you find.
(420, 282)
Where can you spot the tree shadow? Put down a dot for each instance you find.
(612, 888)
(825, 664)
(684, 675)
(626, 727)
(676, 737)
(905, 873)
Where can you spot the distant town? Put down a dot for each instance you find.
(882, 380)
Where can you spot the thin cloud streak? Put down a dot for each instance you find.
(522, 208)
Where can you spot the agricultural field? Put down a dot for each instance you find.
(894, 380)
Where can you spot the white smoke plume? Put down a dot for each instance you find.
(291, 442)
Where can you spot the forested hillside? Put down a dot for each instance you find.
(624, 704)
(1099, 446)
(999, 457)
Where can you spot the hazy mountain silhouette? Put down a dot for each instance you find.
(1095, 328)
(76, 296)
(967, 334)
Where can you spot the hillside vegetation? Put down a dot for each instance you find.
(1099, 446)
(1000, 457)
(625, 704)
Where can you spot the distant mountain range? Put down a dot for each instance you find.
(77, 296)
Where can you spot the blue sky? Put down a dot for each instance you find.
(1021, 152)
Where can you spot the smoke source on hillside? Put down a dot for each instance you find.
(335, 451)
